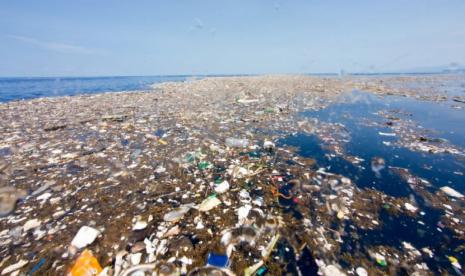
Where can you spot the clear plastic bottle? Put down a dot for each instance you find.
(237, 143)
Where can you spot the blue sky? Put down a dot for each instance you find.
(96, 38)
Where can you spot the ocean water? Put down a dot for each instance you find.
(354, 110)
(28, 88)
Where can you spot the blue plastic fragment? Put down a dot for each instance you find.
(37, 266)
(262, 271)
(217, 260)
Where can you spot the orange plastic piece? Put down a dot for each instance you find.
(85, 265)
(276, 193)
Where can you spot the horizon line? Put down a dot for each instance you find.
(241, 74)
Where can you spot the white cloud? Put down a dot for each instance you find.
(58, 47)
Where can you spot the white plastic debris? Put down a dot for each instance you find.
(243, 212)
(209, 203)
(361, 271)
(139, 225)
(14, 267)
(380, 259)
(176, 214)
(386, 134)
(185, 260)
(44, 196)
(31, 224)
(258, 201)
(268, 145)
(173, 231)
(238, 172)
(244, 196)
(85, 236)
(331, 270)
(410, 207)
(160, 169)
(8, 198)
(451, 192)
(236, 142)
(222, 187)
(246, 101)
(428, 251)
(408, 246)
(136, 258)
(149, 246)
(200, 225)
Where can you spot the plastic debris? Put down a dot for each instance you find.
(237, 143)
(31, 224)
(238, 172)
(451, 192)
(205, 165)
(210, 270)
(176, 214)
(454, 262)
(246, 101)
(8, 198)
(85, 236)
(243, 212)
(136, 258)
(380, 259)
(139, 225)
(410, 207)
(37, 266)
(331, 270)
(281, 200)
(14, 267)
(261, 271)
(218, 260)
(361, 271)
(85, 265)
(222, 187)
(386, 134)
(377, 164)
(268, 145)
(209, 203)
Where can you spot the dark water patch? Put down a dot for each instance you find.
(420, 232)
(310, 146)
(357, 106)
(358, 114)
(365, 142)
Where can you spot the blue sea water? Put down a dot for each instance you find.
(354, 110)
(28, 88)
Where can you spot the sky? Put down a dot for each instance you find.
(108, 38)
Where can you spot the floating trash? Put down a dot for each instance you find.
(209, 203)
(85, 236)
(236, 176)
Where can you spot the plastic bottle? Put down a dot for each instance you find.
(237, 143)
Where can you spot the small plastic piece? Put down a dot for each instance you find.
(209, 203)
(237, 143)
(218, 260)
(85, 265)
(85, 236)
